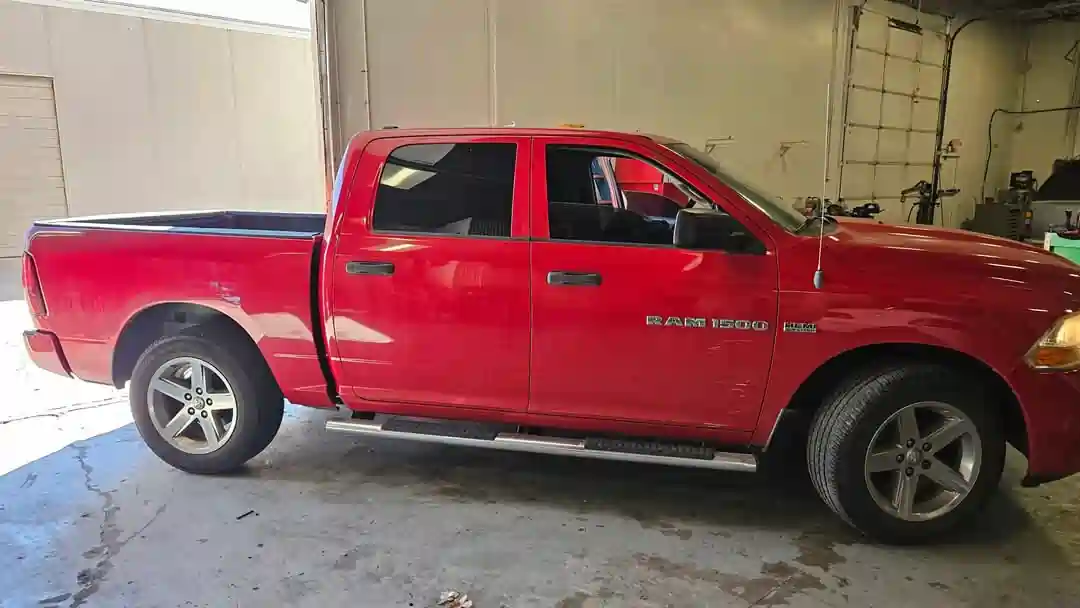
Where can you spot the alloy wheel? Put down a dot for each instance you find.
(192, 405)
(923, 461)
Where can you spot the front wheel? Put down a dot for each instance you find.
(906, 453)
(205, 406)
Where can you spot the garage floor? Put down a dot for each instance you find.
(88, 517)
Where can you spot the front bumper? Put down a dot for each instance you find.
(1051, 405)
(45, 351)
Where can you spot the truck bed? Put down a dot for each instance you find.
(102, 275)
(237, 223)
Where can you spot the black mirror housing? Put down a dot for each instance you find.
(708, 229)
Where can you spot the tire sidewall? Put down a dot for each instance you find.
(925, 384)
(236, 450)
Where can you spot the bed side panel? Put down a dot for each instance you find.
(96, 280)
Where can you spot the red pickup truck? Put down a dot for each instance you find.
(467, 287)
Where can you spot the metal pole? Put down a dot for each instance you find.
(926, 211)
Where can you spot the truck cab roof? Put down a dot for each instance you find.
(360, 139)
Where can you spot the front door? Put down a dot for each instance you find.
(430, 283)
(627, 327)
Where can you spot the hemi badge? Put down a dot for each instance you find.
(800, 328)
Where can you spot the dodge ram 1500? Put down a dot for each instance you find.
(475, 287)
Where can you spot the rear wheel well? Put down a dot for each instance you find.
(811, 395)
(160, 321)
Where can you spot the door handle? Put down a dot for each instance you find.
(376, 268)
(573, 279)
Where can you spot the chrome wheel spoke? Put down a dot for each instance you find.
(904, 494)
(909, 425)
(171, 389)
(947, 433)
(887, 460)
(179, 423)
(212, 429)
(946, 477)
(216, 402)
(198, 377)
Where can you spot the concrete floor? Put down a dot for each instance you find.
(88, 517)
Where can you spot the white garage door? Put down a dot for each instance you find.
(891, 108)
(31, 175)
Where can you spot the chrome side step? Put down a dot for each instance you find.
(537, 444)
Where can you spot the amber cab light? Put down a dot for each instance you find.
(32, 287)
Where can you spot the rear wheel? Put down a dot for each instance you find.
(205, 406)
(906, 453)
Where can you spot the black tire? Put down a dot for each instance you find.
(844, 427)
(259, 403)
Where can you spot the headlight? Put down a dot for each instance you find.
(1059, 348)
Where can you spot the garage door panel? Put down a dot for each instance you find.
(861, 144)
(890, 180)
(866, 68)
(873, 30)
(33, 138)
(864, 107)
(929, 79)
(37, 204)
(31, 170)
(893, 147)
(10, 91)
(860, 179)
(921, 148)
(900, 74)
(24, 184)
(905, 44)
(27, 122)
(896, 111)
(42, 158)
(924, 115)
(28, 108)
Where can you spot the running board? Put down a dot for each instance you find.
(559, 446)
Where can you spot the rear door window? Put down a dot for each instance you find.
(463, 189)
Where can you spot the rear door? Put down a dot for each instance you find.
(627, 327)
(431, 274)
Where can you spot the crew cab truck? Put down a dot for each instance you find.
(468, 287)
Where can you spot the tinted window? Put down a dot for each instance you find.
(574, 215)
(463, 189)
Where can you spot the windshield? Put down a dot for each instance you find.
(780, 213)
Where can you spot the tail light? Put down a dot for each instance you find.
(32, 287)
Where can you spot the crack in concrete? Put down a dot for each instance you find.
(68, 409)
(109, 542)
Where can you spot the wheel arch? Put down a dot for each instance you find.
(811, 394)
(159, 320)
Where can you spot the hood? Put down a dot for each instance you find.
(957, 255)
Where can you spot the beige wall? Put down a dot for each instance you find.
(159, 115)
(686, 68)
(1048, 82)
(986, 76)
(753, 71)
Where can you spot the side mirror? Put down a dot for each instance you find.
(707, 229)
